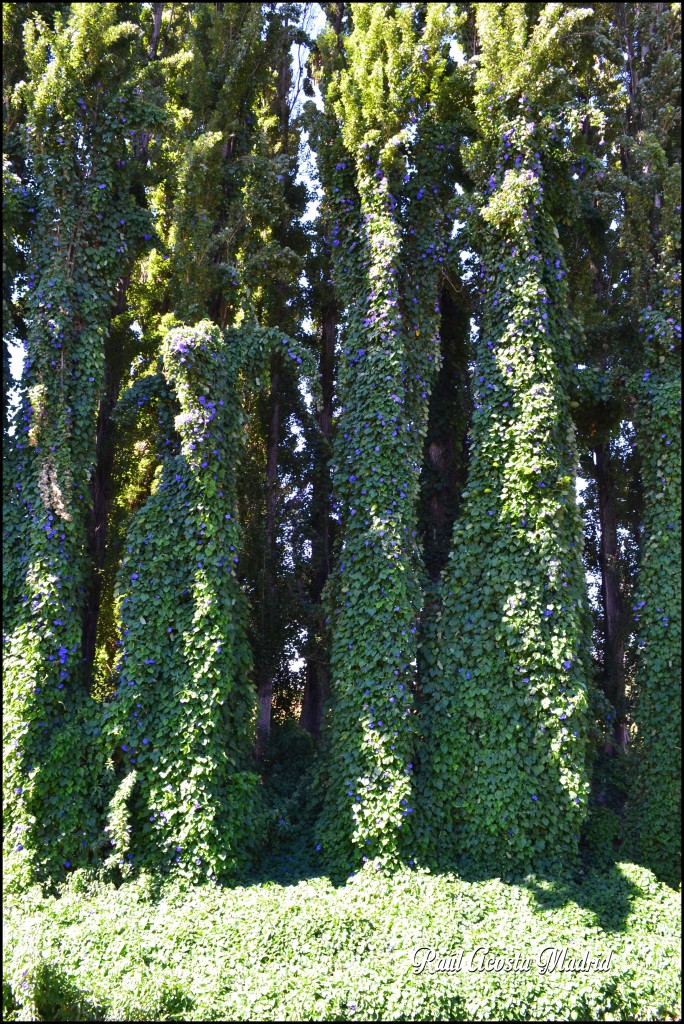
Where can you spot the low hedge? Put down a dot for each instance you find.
(311, 951)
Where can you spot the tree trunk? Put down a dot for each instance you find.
(101, 483)
(316, 691)
(317, 681)
(265, 684)
(445, 454)
(614, 619)
(157, 12)
(268, 661)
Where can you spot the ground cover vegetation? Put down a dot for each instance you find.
(342, 508)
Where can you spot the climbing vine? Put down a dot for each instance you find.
(505, 672)
(656, 798)
(83, 107)
(183, 716)
(388, 178)
(204, 530)
(653, 236)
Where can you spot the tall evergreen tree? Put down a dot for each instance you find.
(506, 678)
(650, 35)
(180, 519)
(82, 107)
(386, 149)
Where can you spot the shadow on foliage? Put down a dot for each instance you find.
(52, 995)
(607, 835)
(293, 776)
(605, 890)
(608, 894)
(293, 782)
(55, 997)
(597, 883)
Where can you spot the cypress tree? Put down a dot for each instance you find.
(505, 782)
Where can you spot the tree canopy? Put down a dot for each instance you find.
(341, 428)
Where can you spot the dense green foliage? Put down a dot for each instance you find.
(82, 107)
(653, 216)
(506, 667)
(308, 951)
(390, 197)
(342, 511)
(656, 793)
(182, 714)
(178, 700)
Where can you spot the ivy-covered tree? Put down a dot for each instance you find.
(387, 150)
(218, 190)
(225, 223)
(505, 681)
(18, 210)
(181, 727)
(82, 106)
(651, 37)
(249, 429)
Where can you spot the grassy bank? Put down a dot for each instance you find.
(310, 951)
